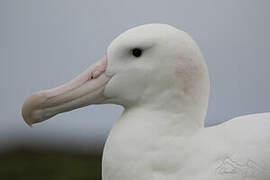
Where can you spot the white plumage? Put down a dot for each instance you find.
(159, 75)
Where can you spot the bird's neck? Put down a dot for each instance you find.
(162, 122)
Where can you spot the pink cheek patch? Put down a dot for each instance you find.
(189, 72)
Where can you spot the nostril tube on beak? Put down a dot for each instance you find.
(99, 68)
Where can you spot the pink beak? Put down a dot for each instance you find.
(85, 89)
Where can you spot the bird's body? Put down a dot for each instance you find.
(238, 149)
(158, 74)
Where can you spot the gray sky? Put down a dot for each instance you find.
(46, 43)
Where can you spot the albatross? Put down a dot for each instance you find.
(158, 74)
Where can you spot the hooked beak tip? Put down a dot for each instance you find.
(29, 124)
(26, 118)
(30, 105)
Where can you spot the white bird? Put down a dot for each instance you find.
(158, 74)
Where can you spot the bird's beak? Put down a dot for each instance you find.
(85, 89)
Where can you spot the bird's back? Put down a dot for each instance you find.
(241, 147)
(248, 130)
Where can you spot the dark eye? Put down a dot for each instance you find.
(136, 52)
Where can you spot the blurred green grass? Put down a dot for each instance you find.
(28, 164)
